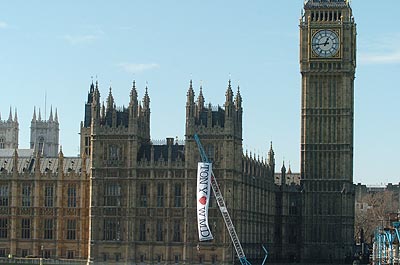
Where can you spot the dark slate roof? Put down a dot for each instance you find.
(27, 164)
(218, 116)
(326, 3)
(122, 117)
(161, 152)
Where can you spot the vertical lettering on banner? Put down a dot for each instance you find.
(203, 196)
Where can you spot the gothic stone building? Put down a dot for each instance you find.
(143, 204)
(135, 199)
(44, 206)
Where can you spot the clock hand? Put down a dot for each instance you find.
(315, 44)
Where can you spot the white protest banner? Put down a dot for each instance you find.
(203, 196)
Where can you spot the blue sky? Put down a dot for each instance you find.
(53, 48)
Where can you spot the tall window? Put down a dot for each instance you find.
(210, 152)
(3, 227)
(87, 146)
(71, 229)
(143, 195)
(26, 195)
(178, 195)
(112, 229)
(71, 193)
(49, 195)
(2, 143)
(142, 230)
(4, 195)
(41, 144)
(159, 230)
(160, 195)
(26, 228)
(48, 229)
(177, 231)
(114, 153)
(112, 194)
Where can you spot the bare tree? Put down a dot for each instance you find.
(375, 210)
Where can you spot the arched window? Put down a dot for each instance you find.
(2, 143)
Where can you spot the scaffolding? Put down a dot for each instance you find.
(386, 247)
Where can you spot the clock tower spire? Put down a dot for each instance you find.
(327, 65)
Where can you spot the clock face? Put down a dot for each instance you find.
(325, 43)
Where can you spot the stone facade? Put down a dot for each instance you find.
(327, 62)
(44, 207)
(143, 193)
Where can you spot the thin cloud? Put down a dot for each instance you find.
(3, 25)
(382, 50)
(387, 58)
(138, 67)
(80, 39)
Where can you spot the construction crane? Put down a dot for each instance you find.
(224, 211)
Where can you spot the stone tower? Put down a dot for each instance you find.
(9, 132)
(220, 131)
(45, 134)
(111, 137)
(327, 63)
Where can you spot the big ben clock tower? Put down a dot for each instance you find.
(327, 63)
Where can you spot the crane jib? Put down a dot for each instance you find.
(224, 211)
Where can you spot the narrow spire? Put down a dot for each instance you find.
(238, 99)
(40, 116)
(34, 114)
(289, 170)
(229, 92)
(110, 100)
(200, 98)
(56, 116)
(0, 116)
(92, 86)
(133, 103)
(146, 99)
(96, 94)
(190, 94)
(51, 113)
(10, 115)
(283, 169)
(271, 156)
(15, 116)
(60, 154)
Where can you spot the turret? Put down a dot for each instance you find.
(10, 118)
(133, 103)
(271, 158)
(229, 101)
(190, 106)
(283, 174)
(15, 116)
(190, 109)
(34, 114)
(200, 101)
(238, 100)
(51, 115)
(110, 101)
(146, 100)
(95, 112)
(146, 113)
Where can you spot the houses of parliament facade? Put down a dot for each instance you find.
(129, 200)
